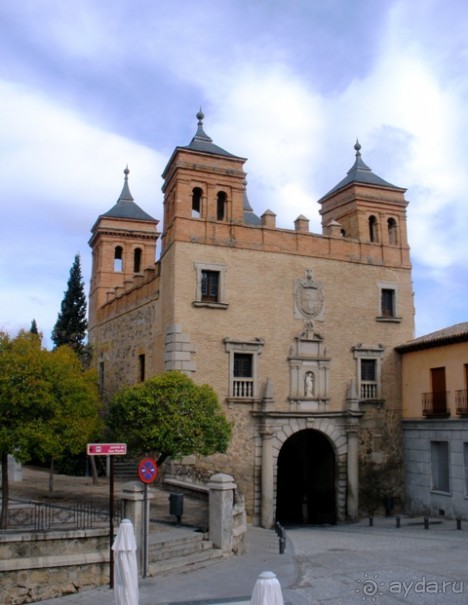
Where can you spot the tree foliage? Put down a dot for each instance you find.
(71, 326)
(169, 415)
(49, 405)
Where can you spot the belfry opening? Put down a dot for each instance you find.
(306, 492)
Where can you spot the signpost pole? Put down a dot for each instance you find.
(110, 450)
(147, 471)
(111, 522)
(145, 530)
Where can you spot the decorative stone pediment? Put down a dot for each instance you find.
(309, 368)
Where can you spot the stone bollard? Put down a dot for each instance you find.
(221, 503)
(133, 500)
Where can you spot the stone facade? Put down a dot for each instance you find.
(435, 422)
(45, 565)
(295, 331)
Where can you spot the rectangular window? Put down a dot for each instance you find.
(439, 393)
(209, 286)
(368, 379)
(465, 464)
(101, 378)
(387, 300)
(440, 466)
(243, 378)
(141, 367)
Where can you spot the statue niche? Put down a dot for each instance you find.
(309, 368)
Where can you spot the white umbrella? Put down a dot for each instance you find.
(267, 590)
(125, 565)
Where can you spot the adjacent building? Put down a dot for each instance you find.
(435, 422)
(296, 331)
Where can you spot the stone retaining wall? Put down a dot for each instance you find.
(45, 565)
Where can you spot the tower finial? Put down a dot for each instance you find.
(126, 172)
(357, 147)
(200, 117)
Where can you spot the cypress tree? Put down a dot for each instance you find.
(72, 324)
(33, 329)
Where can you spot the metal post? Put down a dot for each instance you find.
(111, 522)
(397, 519)
(426, 522)
(371, 521)
(459, 525)
(145, 530)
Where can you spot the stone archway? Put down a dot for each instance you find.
(306, 479)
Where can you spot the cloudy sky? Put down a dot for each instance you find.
(87, 87)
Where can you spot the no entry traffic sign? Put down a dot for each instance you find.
(148, 469)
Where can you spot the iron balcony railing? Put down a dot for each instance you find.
(461, 402)
(434, 404)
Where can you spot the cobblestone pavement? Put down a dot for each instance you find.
(336, 565)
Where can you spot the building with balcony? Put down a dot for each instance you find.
(295, 331)
(435, 422)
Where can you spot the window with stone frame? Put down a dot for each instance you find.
(387, 302)
(210, 289)
(243, 367)
(209, 286)
(440, 466)
(368, 367)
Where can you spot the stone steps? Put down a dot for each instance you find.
(180, 550)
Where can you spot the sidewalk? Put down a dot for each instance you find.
(230, 580)
(337, 565)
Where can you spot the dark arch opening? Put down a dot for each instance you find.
(373, 229)
(306, 480)
(137, 260)
(197, 194)
(118, 259)
(221, 206)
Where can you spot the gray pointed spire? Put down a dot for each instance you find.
(126, 196)
(360, 173)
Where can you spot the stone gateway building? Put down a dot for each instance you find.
(294, 330)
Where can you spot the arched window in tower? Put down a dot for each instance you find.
(373, 229)
(118, 259)
(196, 202)
(137, 260)
(221, 206)
(392, 232)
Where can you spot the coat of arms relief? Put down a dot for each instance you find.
(308, 298)
(308, 361)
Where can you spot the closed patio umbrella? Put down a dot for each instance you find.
(125, 565)
(267, 590)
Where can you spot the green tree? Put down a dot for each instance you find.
(33, 329)
(71, 326)
(169, 415)
(49, 405)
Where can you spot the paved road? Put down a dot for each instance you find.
(339, 565)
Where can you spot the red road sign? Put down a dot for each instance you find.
(106, 449)
(148, 470)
